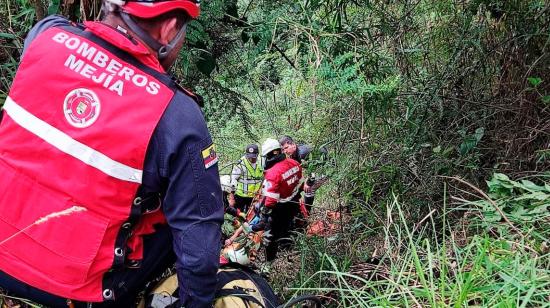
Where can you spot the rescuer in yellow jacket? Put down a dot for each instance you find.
(247, 176)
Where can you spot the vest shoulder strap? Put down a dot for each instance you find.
(194, 96)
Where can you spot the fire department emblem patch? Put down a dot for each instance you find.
(81, 107)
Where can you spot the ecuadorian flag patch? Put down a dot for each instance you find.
(209, 156)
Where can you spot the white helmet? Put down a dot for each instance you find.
(225, 181)
(270, 145)
(238, 256)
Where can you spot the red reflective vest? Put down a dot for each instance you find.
(282, 182)
(74, 134)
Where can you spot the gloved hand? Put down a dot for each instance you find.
(246, 228)
(308, 188)
(164, 300)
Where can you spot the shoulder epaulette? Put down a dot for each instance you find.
(197, 98)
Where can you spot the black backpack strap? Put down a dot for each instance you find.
(234, 271)
(240, 294)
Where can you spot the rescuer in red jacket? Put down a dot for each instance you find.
(281, 189)
(108, 173)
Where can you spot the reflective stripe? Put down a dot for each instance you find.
(271, 195)
(68, 145)
(296, 191)
(249, 181)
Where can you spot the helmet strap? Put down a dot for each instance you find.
(162, 50)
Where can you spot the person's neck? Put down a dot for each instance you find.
(117, 23)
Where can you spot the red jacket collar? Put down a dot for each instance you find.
(125, 42)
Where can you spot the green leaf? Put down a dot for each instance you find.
(232, 10)
(256, 38)
(501, 176)
(471, 141)
(546, 99)
(244, 36)
(512, 280)
(538, 195)
(521, 213)
(447, 151)
(467, 145)
(437, 149)
(493, 184)
(7, 35)
(53, 8)
(479, 134)
(492, 216)
(531, 186)
(206, 63)
(539, 210)
(534, 81)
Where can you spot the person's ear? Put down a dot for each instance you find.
(168, 30)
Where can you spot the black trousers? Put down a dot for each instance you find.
(243, 203)
(282, 218)
(128, 282)
(308, 200)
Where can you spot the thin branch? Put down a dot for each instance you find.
(484, 195)
(284, 56)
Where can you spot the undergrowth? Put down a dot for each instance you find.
(404, 95)
(479, 260)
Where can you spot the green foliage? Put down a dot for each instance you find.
(523, 202)
(54, 6)
(534, 81)
(470, 141)
(16, 19)
(434, 264)
(227, 227)
(399, 92)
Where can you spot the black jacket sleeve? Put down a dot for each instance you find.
(43, 25)
(189, 182)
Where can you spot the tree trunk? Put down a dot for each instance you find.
(39, 9)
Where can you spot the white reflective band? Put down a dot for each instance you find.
(271, 195)
(289, 198)
(249, 181)
(296, 191)
(68, 145)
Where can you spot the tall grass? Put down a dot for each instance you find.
(437, 262)
(16, 19)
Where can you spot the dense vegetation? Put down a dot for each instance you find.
(424, 106)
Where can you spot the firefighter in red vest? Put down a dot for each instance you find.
(108, 171)
(281, 194)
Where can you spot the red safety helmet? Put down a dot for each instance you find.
(153, 8)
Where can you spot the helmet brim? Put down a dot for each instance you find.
(154, 9)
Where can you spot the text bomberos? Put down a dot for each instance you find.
(291, 172)
(96, 65)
